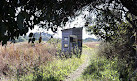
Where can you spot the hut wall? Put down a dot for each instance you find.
(65, 39)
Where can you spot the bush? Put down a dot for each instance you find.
(21, 39)
(113, 61)
(124, 54)
(121, 47)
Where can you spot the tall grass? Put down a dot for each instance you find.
(56, 70)
(100, 68)
(26, 62)
(17, 59)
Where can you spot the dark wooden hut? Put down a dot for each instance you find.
(71, 39)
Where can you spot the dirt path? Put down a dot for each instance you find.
(76, 74)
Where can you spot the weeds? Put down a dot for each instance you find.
(17, 59)
(56, 70)
(38, 63)
(100, 68)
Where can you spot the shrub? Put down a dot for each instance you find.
(124, 54)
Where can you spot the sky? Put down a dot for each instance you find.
(78, 22)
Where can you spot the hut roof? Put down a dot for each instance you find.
(72, 28)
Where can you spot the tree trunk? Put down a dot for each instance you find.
(136, 49)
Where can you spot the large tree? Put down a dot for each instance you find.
(116, 22)
(18, 16)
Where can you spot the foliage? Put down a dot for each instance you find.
(113, 61)
(100, 69)
(56, 70)
(21, 39)
(125, 58)
(122, 48)
(107, 26)
(109, 15)
(117, 27)
(17, 17)
(45, 36)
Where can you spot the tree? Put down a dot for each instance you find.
(116, 24)
(18, 16)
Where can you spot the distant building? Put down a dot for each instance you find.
(71, 39)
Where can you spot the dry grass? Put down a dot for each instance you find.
(92, 44)
(21, 56)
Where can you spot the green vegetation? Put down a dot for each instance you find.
(55, 70)
(21, 39)
(45, 37)
(120, 52)
(112, 61)
(38, 63)
(100, 69)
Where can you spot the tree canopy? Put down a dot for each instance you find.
(18, 16)
(110, 16)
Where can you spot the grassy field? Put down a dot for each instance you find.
(17, 59)
(41, 62)
(100, 68)
(93, 45)
(54, 71)
(26, 62)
